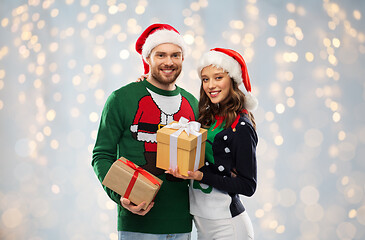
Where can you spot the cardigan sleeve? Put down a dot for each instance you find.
(243, 157)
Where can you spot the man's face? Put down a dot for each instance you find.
(165, 63)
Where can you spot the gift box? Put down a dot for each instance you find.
(181, 144)
(132, 182)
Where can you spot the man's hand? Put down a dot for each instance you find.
(136, 209)
(196, 175)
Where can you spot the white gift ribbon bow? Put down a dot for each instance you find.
(191, 127)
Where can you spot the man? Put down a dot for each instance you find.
(128, 125)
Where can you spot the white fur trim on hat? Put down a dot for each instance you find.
(160, 37)
(222, 60)
(251, 102)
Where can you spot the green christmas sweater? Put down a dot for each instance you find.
(128, 125)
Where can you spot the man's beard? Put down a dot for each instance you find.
(163, 80)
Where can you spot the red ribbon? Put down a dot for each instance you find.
(137, 170)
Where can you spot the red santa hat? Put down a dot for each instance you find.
(234, 64)
(155, 35)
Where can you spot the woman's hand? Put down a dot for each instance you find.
(141, 78)
(196, 175)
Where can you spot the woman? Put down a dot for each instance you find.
(230, 167)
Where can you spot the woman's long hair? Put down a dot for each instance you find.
(229, 108)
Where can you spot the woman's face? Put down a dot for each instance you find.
(216, 83)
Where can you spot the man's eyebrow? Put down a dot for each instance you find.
(177, 53)
(162, 52)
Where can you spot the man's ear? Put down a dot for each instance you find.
(148, 60)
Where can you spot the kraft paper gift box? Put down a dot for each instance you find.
(132, 182)
(175, 148)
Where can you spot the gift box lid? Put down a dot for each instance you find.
(184, 141)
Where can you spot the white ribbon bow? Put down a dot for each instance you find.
(184, 125)
(191, 127)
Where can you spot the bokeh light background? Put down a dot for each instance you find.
(59, 61)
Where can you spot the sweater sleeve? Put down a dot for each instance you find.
(105, 151)
(243, 149)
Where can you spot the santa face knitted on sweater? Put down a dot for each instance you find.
(155, 111)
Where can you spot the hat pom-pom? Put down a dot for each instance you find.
(251, 102)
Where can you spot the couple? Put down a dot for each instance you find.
(128, 125)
